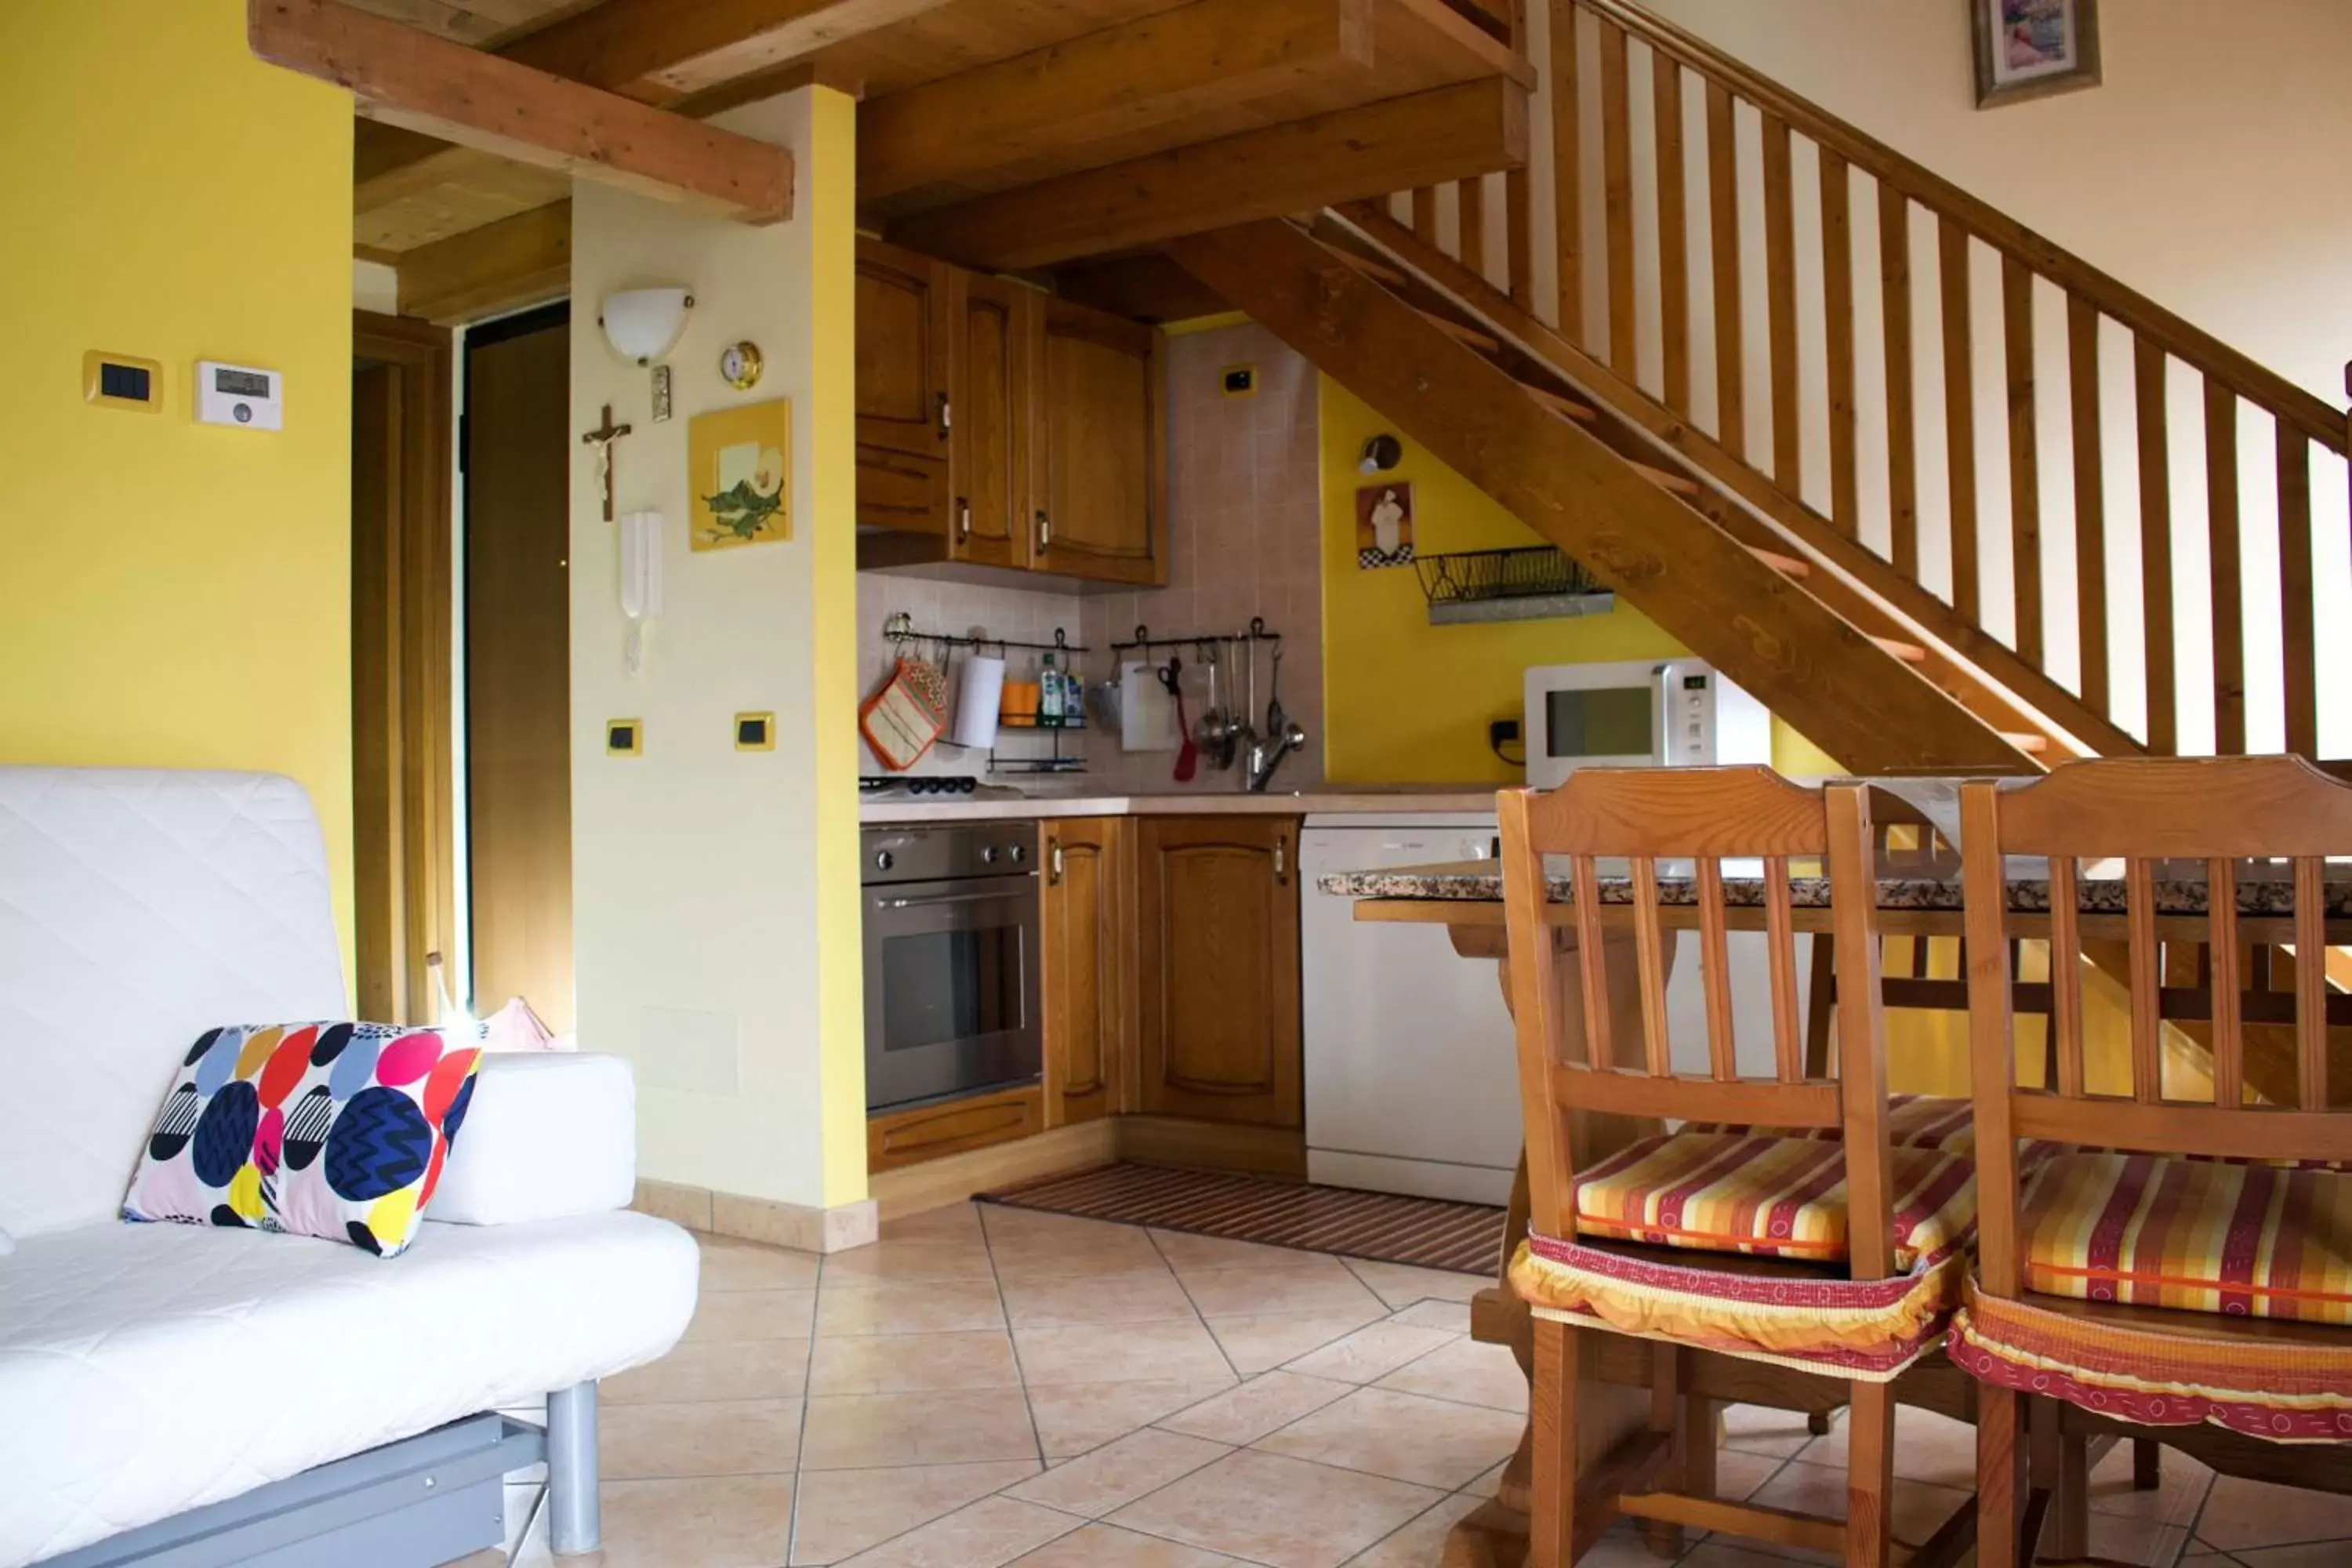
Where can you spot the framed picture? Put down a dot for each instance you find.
(738, 462)
(1383, 525)
(2031, 48)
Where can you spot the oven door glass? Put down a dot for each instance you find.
(951, 987)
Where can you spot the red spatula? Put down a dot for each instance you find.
(1188, 756)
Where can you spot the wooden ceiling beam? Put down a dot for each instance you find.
(516, 261)
(1426, 139)
(422, 83)
(1206, 55)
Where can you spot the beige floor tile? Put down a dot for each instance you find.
(1401, 1285)
(1270, 1509)
(714, 1369)
(1928, 1448)
(962, 1255)
(1116, 1474)
(2140, 1541)
(1323, 1285)
(912, 1364)
(1265, 1403)
(754, 1315)
(1737, 1475)
(729, 1437)
(2181, 1484)
(2242, 1513)
(986, 1534)
(1716, 1551)
(1423, 1541)
(1023, 1243)
(1190, 1254)
(967, 1427)
(1103, 1546)
(1465, 1371)
(1075, 1418)
(1042, 1300)
(1760, 1429)
(1452, 1316)
(908, 1306)
(952, 1219)
(1371, 1353)
(1117, 1353)
(739, 1522)
(1919, 1509)
(2312, 1554)
(1260, 1341)
(843, 1512)
(731, 1265)
(1432, 1442)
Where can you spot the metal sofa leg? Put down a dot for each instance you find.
(574, 1524)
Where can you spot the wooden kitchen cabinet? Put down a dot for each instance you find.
(994, 347)
(1087, 911)
(1217, 977)
(1100, 503)
(905, 323)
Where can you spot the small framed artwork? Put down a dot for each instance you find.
(2033, 49)
(740, 463)
(1383, 525)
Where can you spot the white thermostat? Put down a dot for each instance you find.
(239, 395)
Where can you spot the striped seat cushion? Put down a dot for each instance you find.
(2194, 1235)
(1767, 1193)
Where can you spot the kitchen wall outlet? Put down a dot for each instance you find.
(624, 737)
(755, 732)
(1239, 380)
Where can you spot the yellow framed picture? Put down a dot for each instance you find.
(738, 464)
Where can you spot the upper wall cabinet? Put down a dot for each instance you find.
(998, 426)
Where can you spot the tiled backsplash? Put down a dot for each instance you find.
(1244, 500)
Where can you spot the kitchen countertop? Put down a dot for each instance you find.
(1173, 802)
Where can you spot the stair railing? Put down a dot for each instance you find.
(2144, 501)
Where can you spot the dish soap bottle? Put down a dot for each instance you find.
(1049, 695)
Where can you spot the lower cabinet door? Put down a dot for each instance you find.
(1088, 952)
(1217, 977)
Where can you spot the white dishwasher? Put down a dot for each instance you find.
(1412, 1077)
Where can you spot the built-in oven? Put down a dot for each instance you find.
(952, 945)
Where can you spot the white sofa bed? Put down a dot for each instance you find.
(147, 1370)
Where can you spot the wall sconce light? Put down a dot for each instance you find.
(643, 324)
(1382, 453)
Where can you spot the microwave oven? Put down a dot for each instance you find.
(1644, 713)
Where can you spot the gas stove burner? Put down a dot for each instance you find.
(927, 784)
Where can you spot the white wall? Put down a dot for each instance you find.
(714, 909)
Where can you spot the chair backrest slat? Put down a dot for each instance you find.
(2223, 984)
(2147, 979)
(1649, 945)
(1714, 972)
(2310, 982)
(2066, 974)
(1600, 1051)
(1780, 940)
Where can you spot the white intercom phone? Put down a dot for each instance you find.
(641, 579)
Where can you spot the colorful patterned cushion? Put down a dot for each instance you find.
(2281, 1389)
(328, 1130)
(2194, 1235)
(1762, 1192)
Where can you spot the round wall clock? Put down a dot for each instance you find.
(739, 365)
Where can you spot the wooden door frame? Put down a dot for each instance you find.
(403, 794)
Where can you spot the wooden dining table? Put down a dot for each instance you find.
(1918, 898)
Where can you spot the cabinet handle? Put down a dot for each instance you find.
(1044, 531)
(964, 518)
(946, 417)
(1281, 858)
(1054, 864)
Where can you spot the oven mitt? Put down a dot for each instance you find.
(901, 721)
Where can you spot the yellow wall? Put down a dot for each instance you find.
(1407, 702)
(173, 595)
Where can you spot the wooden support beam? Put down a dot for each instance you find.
(1425, 139)
(514, 262)
(422, 83)
(1200, 57)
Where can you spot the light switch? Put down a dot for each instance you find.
(624, 737)
(755, 732)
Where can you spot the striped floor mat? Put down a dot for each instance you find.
(1427, 1232)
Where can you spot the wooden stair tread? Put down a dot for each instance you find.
(1787, 565)
(1671, 483)
(1908, 652)
(1379, 271)
(1469, 337)
(1565, 407)
(2026, 740)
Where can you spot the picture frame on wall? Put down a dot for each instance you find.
(2033, 48)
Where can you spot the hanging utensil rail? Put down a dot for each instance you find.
(1144, 640)
(900, 629)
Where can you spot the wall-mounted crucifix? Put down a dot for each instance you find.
(601, 438)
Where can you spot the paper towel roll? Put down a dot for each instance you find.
(976, 702)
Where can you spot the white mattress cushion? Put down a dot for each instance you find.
(148, 1369)
(139, 908)
(546, 1134)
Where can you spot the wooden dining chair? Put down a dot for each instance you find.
(2158, 1263)
(1839, 1256)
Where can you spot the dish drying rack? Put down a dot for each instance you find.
(899, 630)
(1532, 582)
